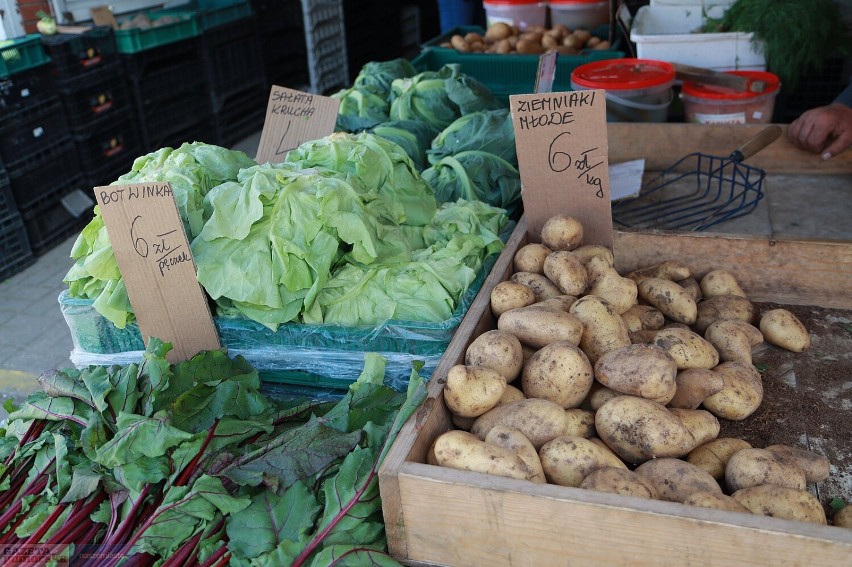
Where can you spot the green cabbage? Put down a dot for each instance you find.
(476, 175)
(487, 130)
(192, 170)
(439, 97)
(414, 136)
(380, 74)
(361, 108)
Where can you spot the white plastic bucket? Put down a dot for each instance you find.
(584, 14)
(708, 104)
(637, 90)
(520, 13)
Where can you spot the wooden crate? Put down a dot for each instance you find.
(441, 516)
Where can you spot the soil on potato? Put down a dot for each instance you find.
(807, 397)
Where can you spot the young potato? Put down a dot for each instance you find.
(581, 423)
(559, 372)
(562, 232)
(815, 466)
(497, 31)
(755, 337)
(588, 251)
(842, 518)
(617, 480)
(643, 337)
(741, 395)
(669, 298)
(537, 327)
(530, 258)
(567, 460)
(471, 391)
(542, 287)
(515, 441)
(646, 371)
(676, 480)
(693, 385)
(498, 350)
(539, 420)
(713, 456)
(560, 303)
(605, 282)
(692, 287)
(637, 430)
(565, 270)
(603, 329)
(511, 394)
(463, 423)
(668, 270)
(729, 340)
(461, 450)
(688, 349)
(643, 318)
(782, 502)
(701, 423)
(510, 295)
(722, 307)
(783, 329)
(753, 467)
(716, 501)
(720, 282)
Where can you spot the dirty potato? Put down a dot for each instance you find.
(782, 502)
(498, 350)
(741, 395)
(515, 441)
(461, 450)
(562, 232)
(542, 287)
(669, 298)
(471, 391)
(565, 270)
(722, 307)
(713, 456)
(643, 318)
(559, 372)
(605, 282)
(617, 480)
(720, 282)
(510, 295)
(815, 466)
(567, 460)
(716, 501)
(537, 327)
(676, 480)
(783, 329)
(753, 467)
(640, 370)
(530, 258)
(539, 420)
(603, 329)
(687, 348)
(693, 385)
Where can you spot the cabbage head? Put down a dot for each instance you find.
(486, 130)
(361, 108)
(439, 97)
(414, 136)
(475, 175)
(379, 75)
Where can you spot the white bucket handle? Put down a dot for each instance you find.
(640, 105)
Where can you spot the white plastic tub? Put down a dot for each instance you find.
(708, 104)
(520, 13)
(672, 33)
(637, 90)
(585, 14)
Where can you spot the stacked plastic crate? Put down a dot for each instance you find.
(165, 75)
(94, 97)
(36, 148)
(282, 37)
(326, 42)
(373, 31)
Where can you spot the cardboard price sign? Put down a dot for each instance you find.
(563, 160)
(292, 118)
(152, 251)
(103, 16)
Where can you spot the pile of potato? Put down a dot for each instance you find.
(617, 383)
(503, 38)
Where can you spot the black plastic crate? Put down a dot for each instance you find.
(54, 224)
(241, 115)
(75, 54)
(15, 251)
(8, 209)
(231, 66)
(111, 171)
(32, 180)
(104, 98)
(148, 63)
(167, 82)
(114, 144)
(31, 130)
(161, 122)
(200, 131)
(26, 88)
(49, 195)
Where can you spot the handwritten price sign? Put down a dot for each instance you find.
(152, 251)
(292, 118)
(562, 157)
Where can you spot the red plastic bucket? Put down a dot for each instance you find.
(709, 104)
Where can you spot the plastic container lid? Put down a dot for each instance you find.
(700, 90)
(513, 2)
(624, 74)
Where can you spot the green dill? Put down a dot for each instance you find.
(761, 367)
(797, 36)
(837, 503)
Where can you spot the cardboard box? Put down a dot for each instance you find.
(671, 33)
(441, 516)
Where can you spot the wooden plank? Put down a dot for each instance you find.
(464, 518)
(662, 144)
(795, 272)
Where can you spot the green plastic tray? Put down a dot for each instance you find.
(136, 40)
(504, 74)
(213, 13)
(21, 53)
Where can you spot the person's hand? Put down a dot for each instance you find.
(826, 130)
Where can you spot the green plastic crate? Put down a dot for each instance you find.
(504, 74)
(21, 53)
(213, 13)
(136, 40)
